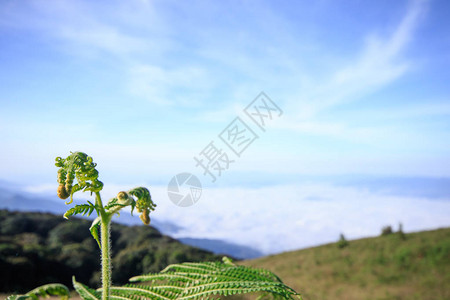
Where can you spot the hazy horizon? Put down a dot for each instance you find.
(278, 218)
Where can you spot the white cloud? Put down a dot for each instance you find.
(288, 217)
(280, 218)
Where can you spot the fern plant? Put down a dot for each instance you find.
(186, 281)
(53, 289)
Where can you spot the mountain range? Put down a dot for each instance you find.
(28, 202)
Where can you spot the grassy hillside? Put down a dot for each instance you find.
(386, 267)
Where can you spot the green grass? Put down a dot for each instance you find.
(385, 267)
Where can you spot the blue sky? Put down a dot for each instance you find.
(144, 86)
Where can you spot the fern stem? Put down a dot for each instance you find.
(105, 247)
(106, 255)
(98, 201)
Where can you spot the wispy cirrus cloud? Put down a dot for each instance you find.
(200, 66)
(379, 63)
(313, 109)
(75, 26)
(143, 41)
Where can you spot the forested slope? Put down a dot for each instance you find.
(39, 248)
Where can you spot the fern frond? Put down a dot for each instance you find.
(149, 292)
(123, 298)
(226, 270)
(193, 267)
(83, 209)
(53, 289)
(144, 199)
(81, 166)
(159, 276)
(18, 297)
(192, 281)
(143, 203)
(212, 286)
(85, 292)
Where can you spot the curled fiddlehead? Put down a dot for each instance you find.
(144, 203)
(138, 198)
(80, 166)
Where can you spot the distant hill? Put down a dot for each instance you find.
(39, 248)
(20, 201)
(221, 247)
(385, 267)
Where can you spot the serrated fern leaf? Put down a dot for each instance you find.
(83, 209)
(85, 292)
(53, 289)
(18, 297)
(194, 271)
(192, 281)
(165, 292)
(159, 276)
(122, 298)
(226, 288)
(193, 267)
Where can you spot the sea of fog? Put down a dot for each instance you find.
(282, 217)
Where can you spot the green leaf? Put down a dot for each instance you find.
(18, 297)
(53, 289)
(192, 281)
(113, 207)
(149, 292)
(85, 292)
(83, 209)
(94, 229)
